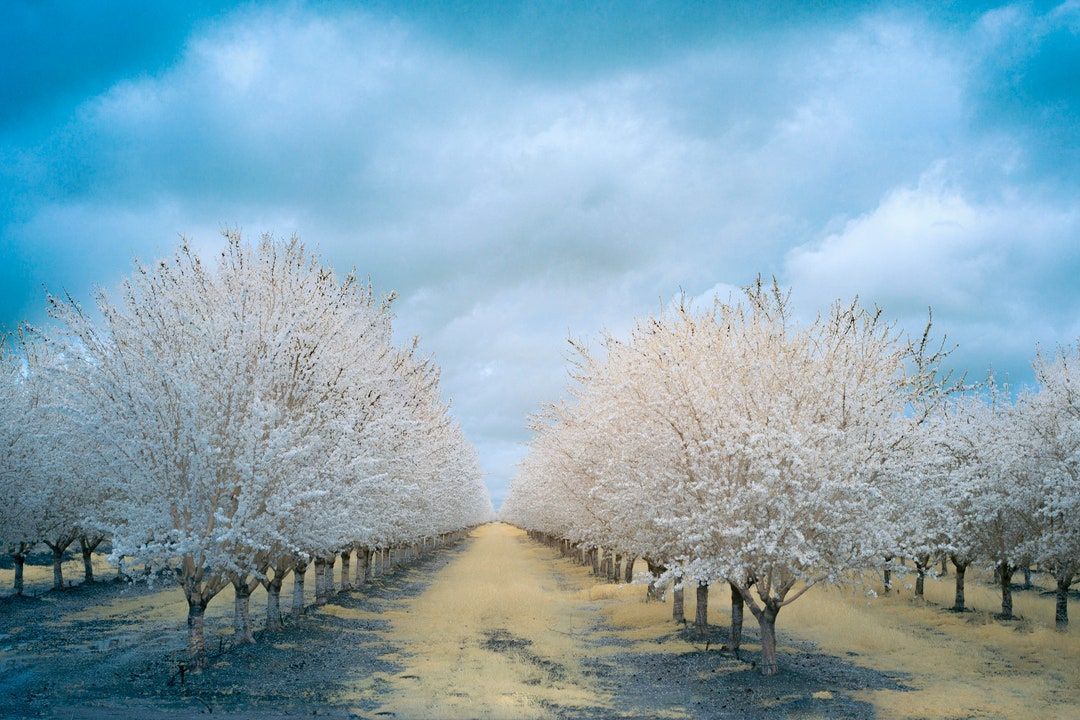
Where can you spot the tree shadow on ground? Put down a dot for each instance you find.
(714, 684)
(98, 668)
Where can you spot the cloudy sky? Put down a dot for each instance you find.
(525, 172)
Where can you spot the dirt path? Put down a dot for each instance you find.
(509, 629)
(498, 626)
(499, 632)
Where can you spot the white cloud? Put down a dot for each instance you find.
(999, 272)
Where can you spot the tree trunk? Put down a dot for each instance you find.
(961, 569)
(701, 615)
(196, 636)
(20, 561)
(346, 570)
(652, 592)
(618, 569)
(678, 612)
(58, 568)
(736, 620)
(595, 561)
(922, 562)
(363, 566)
(767, 630)
(1061, 610)
(87, 559)
(886, 575)
(1027, 578)
(1005, 573)
(242, 633)
(628, 569)
(320, 581)
(944, 566)
(273, 604)
(655, 571)
(299, 572)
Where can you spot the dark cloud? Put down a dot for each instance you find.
(60, 52)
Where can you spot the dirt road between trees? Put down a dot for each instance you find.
(497, 633)
(509, 629)
(497, 627)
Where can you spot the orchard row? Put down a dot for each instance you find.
(228, 423)
(740, 447)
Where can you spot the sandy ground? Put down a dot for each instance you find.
(38, 572)
(511, 630)
(494, 635)
(503, 627)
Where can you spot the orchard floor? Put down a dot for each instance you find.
(511, 630)
(502, 627)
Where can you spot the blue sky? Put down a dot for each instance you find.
(521, 172)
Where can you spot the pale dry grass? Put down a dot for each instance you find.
(980, 594)
(167, 603)
(502, 583)
(961, 665)
(164, 604)
(37, 578)
(957, 665)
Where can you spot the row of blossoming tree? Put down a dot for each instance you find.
(737, 446)
(228, 423)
